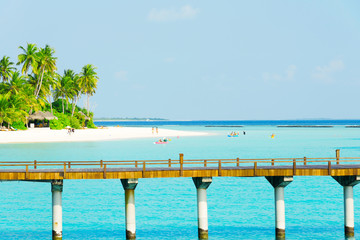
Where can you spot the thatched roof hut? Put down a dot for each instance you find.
(41, 116)
(49, 116)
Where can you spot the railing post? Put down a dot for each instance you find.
(329, 168)
(219, 171)
(169, 162)
(237, 162)
(337, 156)
(272, 162)
(136, 164)
(305, 161)
(34, 164)
(64, 170)
(255, 167)
(26, 171)
(69, 164)
(104, 176)
(144, 169)
(181, 164)
(294, 167)
(101, 163)
(205, 163)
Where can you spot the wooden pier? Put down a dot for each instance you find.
(278, 171)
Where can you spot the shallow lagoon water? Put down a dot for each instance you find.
(238, 208)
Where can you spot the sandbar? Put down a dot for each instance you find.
(39, 135)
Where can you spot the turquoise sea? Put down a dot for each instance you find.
(238, 208)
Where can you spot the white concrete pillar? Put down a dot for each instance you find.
(130, 214)
(279, 212)
(348, 182)
(202, 213)
(202, 183)
(349, 211)
(279, 183)
(56, 189)
(130, 222)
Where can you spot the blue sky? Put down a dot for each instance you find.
(202, 60)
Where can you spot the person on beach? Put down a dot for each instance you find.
(152, 130)
(73, 130)
(157, 130)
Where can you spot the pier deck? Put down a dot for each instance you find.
(59, 170)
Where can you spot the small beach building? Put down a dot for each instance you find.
(40, 119)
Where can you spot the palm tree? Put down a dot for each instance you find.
(88, 82)
(52, 84)
(46, 63)
(74, 90)
(12, 109)
(28, 58)
(5, 68)
(17, 83)
(62, 90)
(5, 110)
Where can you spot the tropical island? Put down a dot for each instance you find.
(36, 96)
(37, 93)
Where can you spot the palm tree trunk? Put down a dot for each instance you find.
(41, 79)
(50, 104)
(62, 100)
(88, 110)
(76, 100)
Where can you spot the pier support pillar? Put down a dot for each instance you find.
(56, 190)
(202, 183)
(279, 183)
(129, 187)
(348, 182)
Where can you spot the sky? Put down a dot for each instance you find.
(201, 60)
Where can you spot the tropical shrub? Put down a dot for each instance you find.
(19, 125)
(56, 125)
(74, 123)
(81, 119)
(91, 124)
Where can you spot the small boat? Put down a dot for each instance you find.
(233, 135)
(160, 142)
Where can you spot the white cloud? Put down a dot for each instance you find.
(165, 15)
(169, 59)
(121, 75)
(325, 73)
(288, 75)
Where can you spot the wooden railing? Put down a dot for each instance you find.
(181, 163)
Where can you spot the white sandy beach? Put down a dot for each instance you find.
(111, 133)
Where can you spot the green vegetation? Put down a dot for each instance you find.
(36, 86)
